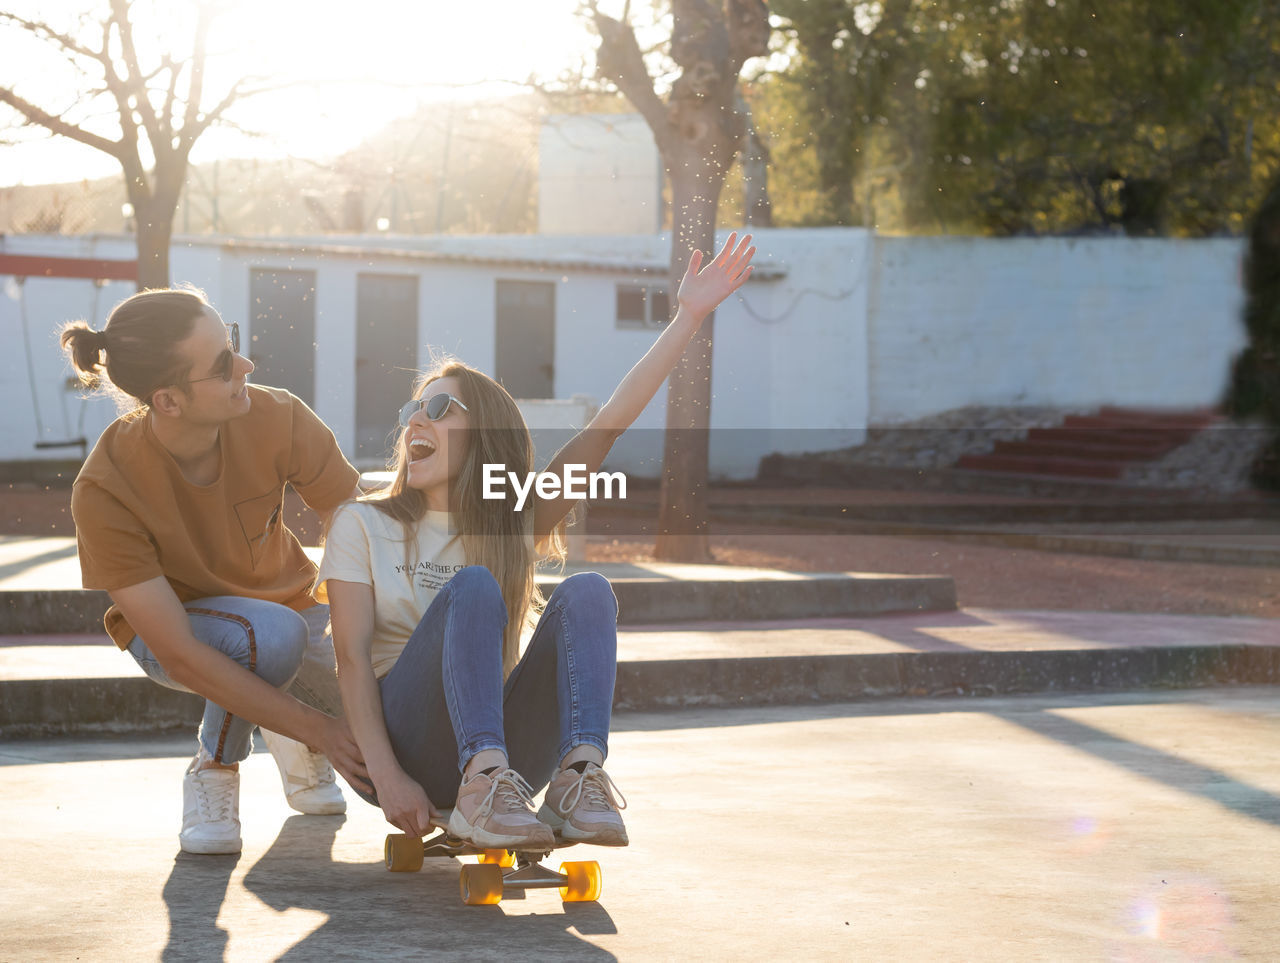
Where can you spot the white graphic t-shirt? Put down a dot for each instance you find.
(364, 545)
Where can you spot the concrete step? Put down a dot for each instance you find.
(647, 593)
(1153, 439)
(1058, 466)
(1097, 446)
(1067, 447)
(830, 469)
(1192, 418)
(1253, 542)
(1139, 421)
(82, 684)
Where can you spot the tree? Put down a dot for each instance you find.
(1254, 390)
(846, 60)
(149, 117)
(1025, 116)
(698, 131)
(1078, 116)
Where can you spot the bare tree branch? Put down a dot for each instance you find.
(57, 125)
(237, 93)
(194, 128)
(170, 98)
(142, 103)
(146, 106)
(619, 59)
(47, 32)
(195, 88)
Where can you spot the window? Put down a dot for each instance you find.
(643, 305)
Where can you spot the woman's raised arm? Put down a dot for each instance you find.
(701, 291)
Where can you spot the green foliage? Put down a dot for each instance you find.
(1026, 116)
(1255, 376)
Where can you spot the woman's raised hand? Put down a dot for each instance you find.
(702, 290)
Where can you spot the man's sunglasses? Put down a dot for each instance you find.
(226, 360)
(436, 407)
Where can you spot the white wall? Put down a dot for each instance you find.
(1051, 321)
(789, 370)
(38, 402)
(850, 330)
(598, 174)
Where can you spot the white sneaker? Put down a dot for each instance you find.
(308, 779)
(210, 810)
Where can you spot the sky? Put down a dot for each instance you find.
(351, 67)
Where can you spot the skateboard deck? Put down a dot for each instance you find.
(498, 870)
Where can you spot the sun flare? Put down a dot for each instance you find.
(334, 73)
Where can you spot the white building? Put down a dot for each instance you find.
(838, 329)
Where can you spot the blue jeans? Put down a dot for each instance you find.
(286, 648)
(444, 700)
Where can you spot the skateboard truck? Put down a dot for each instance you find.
(498, 870)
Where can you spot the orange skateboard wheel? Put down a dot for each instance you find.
(499, 857)
(403, 853)
(480, 884)
(584, 882)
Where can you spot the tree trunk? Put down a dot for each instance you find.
(698, 131)
(154, 230)
(754, 155)
(755, 180)
(682, 519)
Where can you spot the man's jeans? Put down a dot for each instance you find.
(288, 649)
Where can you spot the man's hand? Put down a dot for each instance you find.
(337, 743)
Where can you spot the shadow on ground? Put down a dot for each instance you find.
(417, 915)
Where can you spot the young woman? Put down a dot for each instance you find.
(178, 513)
(429, 586)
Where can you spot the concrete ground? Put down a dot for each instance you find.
(1120, 827)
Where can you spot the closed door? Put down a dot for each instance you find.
(526, 338)
(282, 330)
(386, 358)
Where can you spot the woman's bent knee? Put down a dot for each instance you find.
(587, 588)
(477, 585)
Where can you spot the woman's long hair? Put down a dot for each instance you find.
(493, 533)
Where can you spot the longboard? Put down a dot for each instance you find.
(498, 870)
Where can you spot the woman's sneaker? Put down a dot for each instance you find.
(210, 810)
(308, 779)
(583, 807)
(495, 811)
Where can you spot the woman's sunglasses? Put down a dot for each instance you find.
(226, 360)
(436, 407)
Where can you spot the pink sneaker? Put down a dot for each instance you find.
(584, 807)
(496, 812)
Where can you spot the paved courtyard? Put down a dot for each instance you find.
(1138, 826)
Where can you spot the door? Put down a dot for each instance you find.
(386, 358)
(526, 338)
(282, 330)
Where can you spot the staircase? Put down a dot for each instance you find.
(1098, 446)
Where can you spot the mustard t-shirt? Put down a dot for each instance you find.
(364, 545)
(137, 517)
